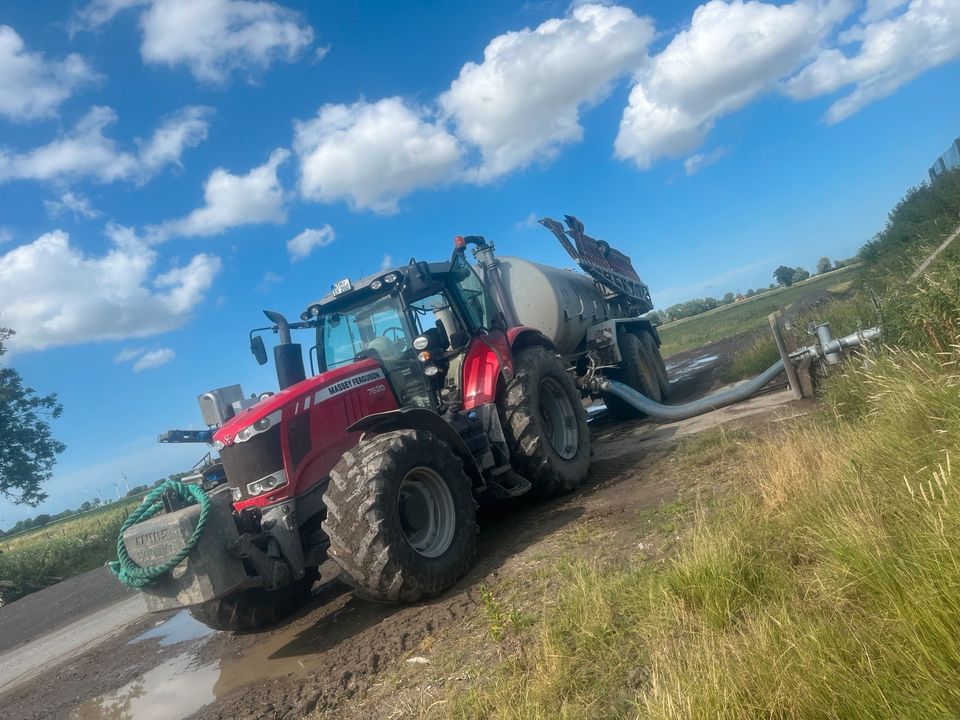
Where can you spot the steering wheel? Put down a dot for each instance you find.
(398, 333)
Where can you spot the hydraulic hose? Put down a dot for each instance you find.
(672, 413)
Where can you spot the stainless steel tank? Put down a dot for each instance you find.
(562, 304)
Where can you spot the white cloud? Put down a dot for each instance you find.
(53, 293)
(128, 354)
(269, 279)
(732, 52)
(185, 128)
(879, 9)
(530, 221)
(522, 103)
(6, 234)
(232, 200)
(303, 244)
(154, 359)
(387, 262)
(85, 152)
(891, 51)
(76, 203)
(32, 86)
(211, 38)
(697, 162)
(100, 12)
(372, 154)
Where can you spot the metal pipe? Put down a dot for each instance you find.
(672, 413)
(483, 252)
(826, 338)
(738, 393)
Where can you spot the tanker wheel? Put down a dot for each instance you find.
(545, 423)
(659, 367)
(636, 370)
(401, 517)
(257, 608)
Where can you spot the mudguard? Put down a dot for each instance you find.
(421, 419)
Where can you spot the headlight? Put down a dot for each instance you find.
(376, 285)
(421, 342)
(261, 425)
(390, 277)
(265, 484)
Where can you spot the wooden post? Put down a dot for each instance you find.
(785, 356)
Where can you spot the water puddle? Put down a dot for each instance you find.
(173, 690)
(685, 368)
(176, 629)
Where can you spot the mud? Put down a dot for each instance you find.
(333, 658)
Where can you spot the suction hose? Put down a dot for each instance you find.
(672, 413)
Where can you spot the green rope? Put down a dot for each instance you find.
(133, 575)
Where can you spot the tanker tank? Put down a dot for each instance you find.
(562, 304)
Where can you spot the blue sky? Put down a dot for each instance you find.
(168, 168)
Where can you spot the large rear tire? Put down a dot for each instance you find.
(659, 367)
(255, 609)
(401, 517)
(545, 423)
(636, 371)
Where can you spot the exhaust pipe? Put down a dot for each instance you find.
(287, 355)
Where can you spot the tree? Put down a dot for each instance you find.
(823, 265)
(800, 274)
(784, 275)
(86, 505)
(728, 298)
(28, 449)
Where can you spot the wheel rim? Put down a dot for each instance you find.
(426, 510)
(559, 418)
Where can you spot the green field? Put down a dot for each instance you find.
(32, 560)
(749, 314)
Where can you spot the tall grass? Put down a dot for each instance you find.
(826, 585)
(38, 559)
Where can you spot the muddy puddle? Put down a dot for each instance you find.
(177, 629)
(173, 690)
(685, 368)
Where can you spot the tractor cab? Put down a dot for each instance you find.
(415, 321)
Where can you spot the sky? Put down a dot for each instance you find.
(169, 168)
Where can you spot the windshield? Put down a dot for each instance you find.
(376, 325)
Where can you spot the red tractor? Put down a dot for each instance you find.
(426, 394)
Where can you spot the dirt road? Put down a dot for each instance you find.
(336, 653)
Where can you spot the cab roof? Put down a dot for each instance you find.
(360, 289)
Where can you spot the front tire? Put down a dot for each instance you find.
(257, 608)
(401, 517)
(545, 423)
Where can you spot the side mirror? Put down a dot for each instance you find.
(258, 350)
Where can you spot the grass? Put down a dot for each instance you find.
(36, 559)
(824, 583)
(749, 314)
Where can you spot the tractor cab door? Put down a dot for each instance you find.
(487, 356)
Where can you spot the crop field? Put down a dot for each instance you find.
(35, 559)
(748, 314)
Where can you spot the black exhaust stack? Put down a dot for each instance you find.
(288, 355)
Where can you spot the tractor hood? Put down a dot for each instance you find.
(296, 399)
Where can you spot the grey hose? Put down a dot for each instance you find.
(671, 413)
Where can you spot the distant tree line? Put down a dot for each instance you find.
(784, 276)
